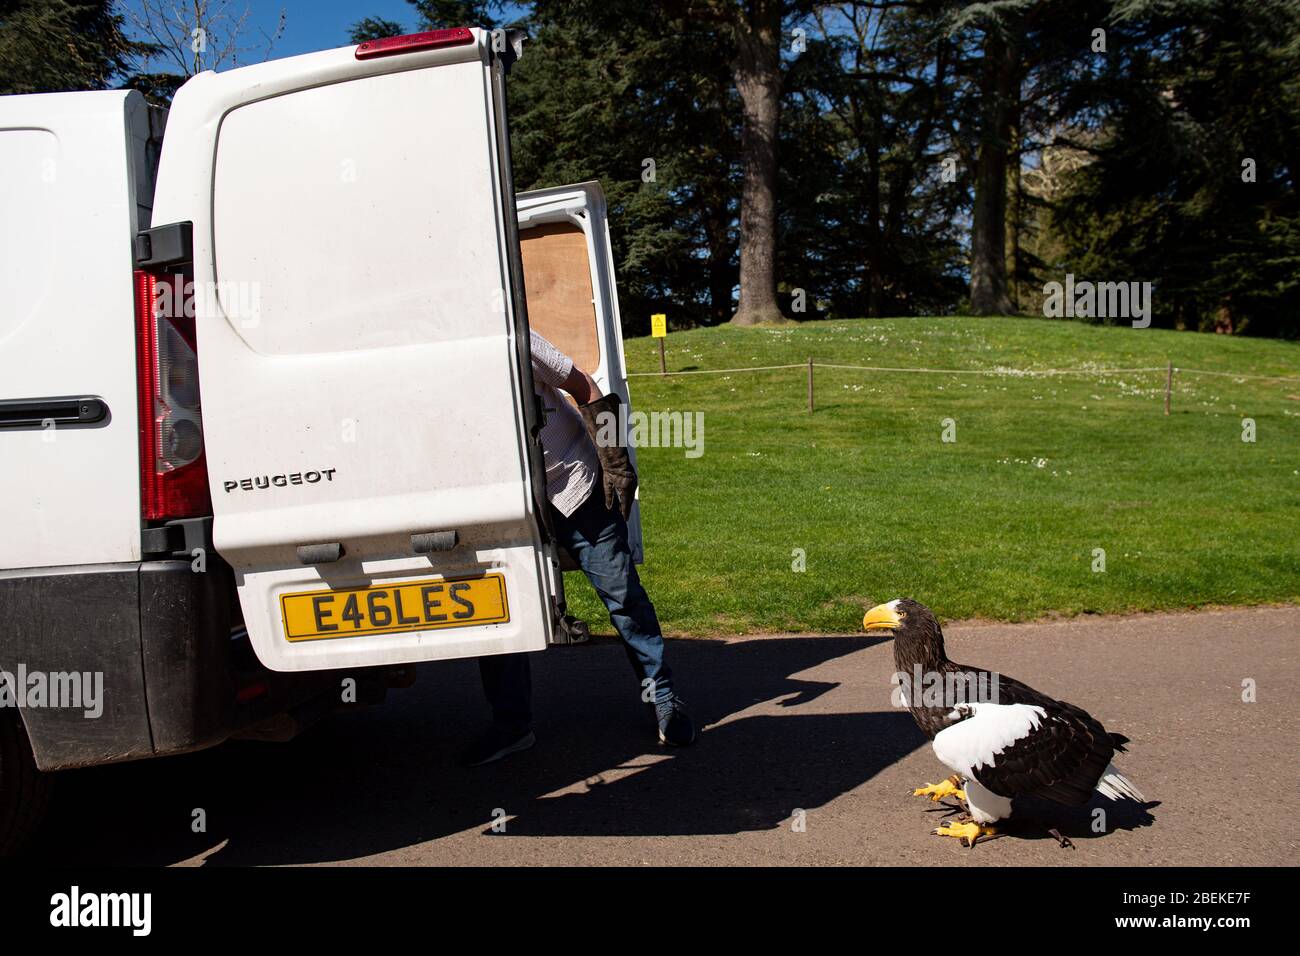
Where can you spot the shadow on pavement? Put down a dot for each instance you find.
(1034, 818)
(1097, 818)
(386, 778)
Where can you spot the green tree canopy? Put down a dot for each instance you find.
(49, 46)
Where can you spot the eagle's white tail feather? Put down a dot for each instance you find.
(1116, 786)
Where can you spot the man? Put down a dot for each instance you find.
(590, 486)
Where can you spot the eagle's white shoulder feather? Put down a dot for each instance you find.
(991, 728)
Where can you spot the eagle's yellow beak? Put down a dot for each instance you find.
(882, 617)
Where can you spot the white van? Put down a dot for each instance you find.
(267, 423)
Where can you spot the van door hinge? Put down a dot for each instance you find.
(510, 51)
(164, 246)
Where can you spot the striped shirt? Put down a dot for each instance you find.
(570, 456)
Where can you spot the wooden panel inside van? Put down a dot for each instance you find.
(557, 277)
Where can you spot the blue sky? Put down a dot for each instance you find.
(312, 25)
(320, 24)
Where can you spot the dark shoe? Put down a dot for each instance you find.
(675, 725)
(494, 745)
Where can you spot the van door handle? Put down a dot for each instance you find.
(43, 412)
(431, 541)
(320, 553)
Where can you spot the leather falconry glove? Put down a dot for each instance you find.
(616, 469)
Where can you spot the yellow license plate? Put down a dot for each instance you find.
(393, 608)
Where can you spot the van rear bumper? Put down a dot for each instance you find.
(135, 658)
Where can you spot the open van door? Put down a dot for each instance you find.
(367, 404)
(572, 295)
(75, 186)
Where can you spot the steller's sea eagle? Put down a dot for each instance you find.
(1018, 742)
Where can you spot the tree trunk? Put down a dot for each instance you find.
(874, 253)
(721, 273)
(1014, 186)
(999, 84)
(722, 279)
(1223, 321)
(876, 291)
(757, 74)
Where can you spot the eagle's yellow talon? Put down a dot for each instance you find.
(970, 832)
(937, 791)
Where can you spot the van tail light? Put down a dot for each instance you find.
(431, 40)
(173, 468)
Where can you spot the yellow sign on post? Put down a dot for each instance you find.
(659, 330)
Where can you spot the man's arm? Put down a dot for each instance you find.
(556, 369)
(581, 386)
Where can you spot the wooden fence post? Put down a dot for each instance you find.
(1169, 384)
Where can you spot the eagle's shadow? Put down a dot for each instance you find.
(1033, 818)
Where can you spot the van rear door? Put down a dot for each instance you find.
(572, 295)
(75, 187)
(367, 400)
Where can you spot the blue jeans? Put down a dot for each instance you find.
(597, 539)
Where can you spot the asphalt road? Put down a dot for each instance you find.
(793, 723)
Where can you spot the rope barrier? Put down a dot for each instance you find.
(719, 371)
(977, 371)
(996, 371)
(1263, 378)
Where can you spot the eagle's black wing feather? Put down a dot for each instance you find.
(1061, 759)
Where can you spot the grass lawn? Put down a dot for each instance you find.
(1003, 522)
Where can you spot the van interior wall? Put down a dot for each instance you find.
(557, 278)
